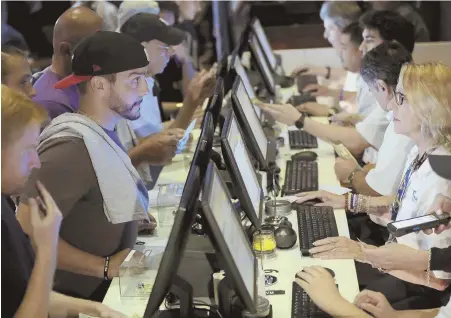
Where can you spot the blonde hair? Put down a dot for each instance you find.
(428, 90)
(8, 54)
(18, 111)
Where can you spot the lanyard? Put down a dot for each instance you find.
(404, 185)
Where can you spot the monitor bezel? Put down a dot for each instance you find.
(250, 140)
(183, 220)
(259, 63)
(259, 40)
(238, 183)
(231, 267)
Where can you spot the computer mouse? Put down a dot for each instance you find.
(311, 202)
(285, 237)
(305, 156)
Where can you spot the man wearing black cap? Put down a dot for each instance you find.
(88, 172)
(158, 39)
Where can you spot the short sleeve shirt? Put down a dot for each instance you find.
(67, 173)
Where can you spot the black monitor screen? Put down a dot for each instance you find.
(184, 218)
(229, 237)
(249, 121)
(239, 166)
(263, 39)
(262, 64)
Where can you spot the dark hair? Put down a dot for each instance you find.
(355, 32)
(384, 63)
(169, 6)
(83, 86)
(8, 52)
(391, 26)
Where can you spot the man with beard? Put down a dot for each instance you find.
(85, 167)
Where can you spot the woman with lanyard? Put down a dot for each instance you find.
(422, 111)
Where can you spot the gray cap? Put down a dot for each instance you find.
(441, 165)
(128, 8)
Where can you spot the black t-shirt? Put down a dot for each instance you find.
(17, 260)
(441, 259)
(171, 80)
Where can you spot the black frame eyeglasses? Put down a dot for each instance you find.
(399, 97)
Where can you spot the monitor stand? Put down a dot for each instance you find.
(181, 293)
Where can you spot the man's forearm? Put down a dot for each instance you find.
(37, 296)
(360, 186)
(185, 114)
(188, 73)
(74, 260)
(137, 155)
(65, 306)
(348, 136)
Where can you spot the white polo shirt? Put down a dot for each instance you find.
(366, 102)
(423, 187)
(372, 129)
(391, 160)
(445, 312)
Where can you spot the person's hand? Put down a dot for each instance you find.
(320, 286)
(329, 199)
(161, 147)
(441, 204)
(285, 114)
(396, 256)
(45, 228)
(310, 70)
(344, 168)
(346, 119)
(375, 303)
(318, 90)
(116, 261)
(181, 52)
(201, 86)
(104, 311)
(337, 248)
(314, 109)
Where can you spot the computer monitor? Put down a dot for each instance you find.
(257, 29)
(214, 105)
(183, 220)
(262, 64)
(229, 238)
(239, 166)
(255, 137)
(223, 36)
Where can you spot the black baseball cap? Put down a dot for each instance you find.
(441, 165)
(104, 53)
(146, 27)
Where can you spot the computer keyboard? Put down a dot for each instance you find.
(302, 305)
(300, 176)
(300, 139)
(314, 223)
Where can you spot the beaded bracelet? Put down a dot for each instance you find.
(428, 272)
(347, 202)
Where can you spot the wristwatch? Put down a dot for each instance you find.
(300, 122)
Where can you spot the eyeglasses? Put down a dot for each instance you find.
(399, 97)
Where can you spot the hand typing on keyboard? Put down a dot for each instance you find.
(339, 247)
(329, 199)
(320, 286)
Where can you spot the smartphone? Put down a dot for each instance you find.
(425, 222)
(40, 200)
